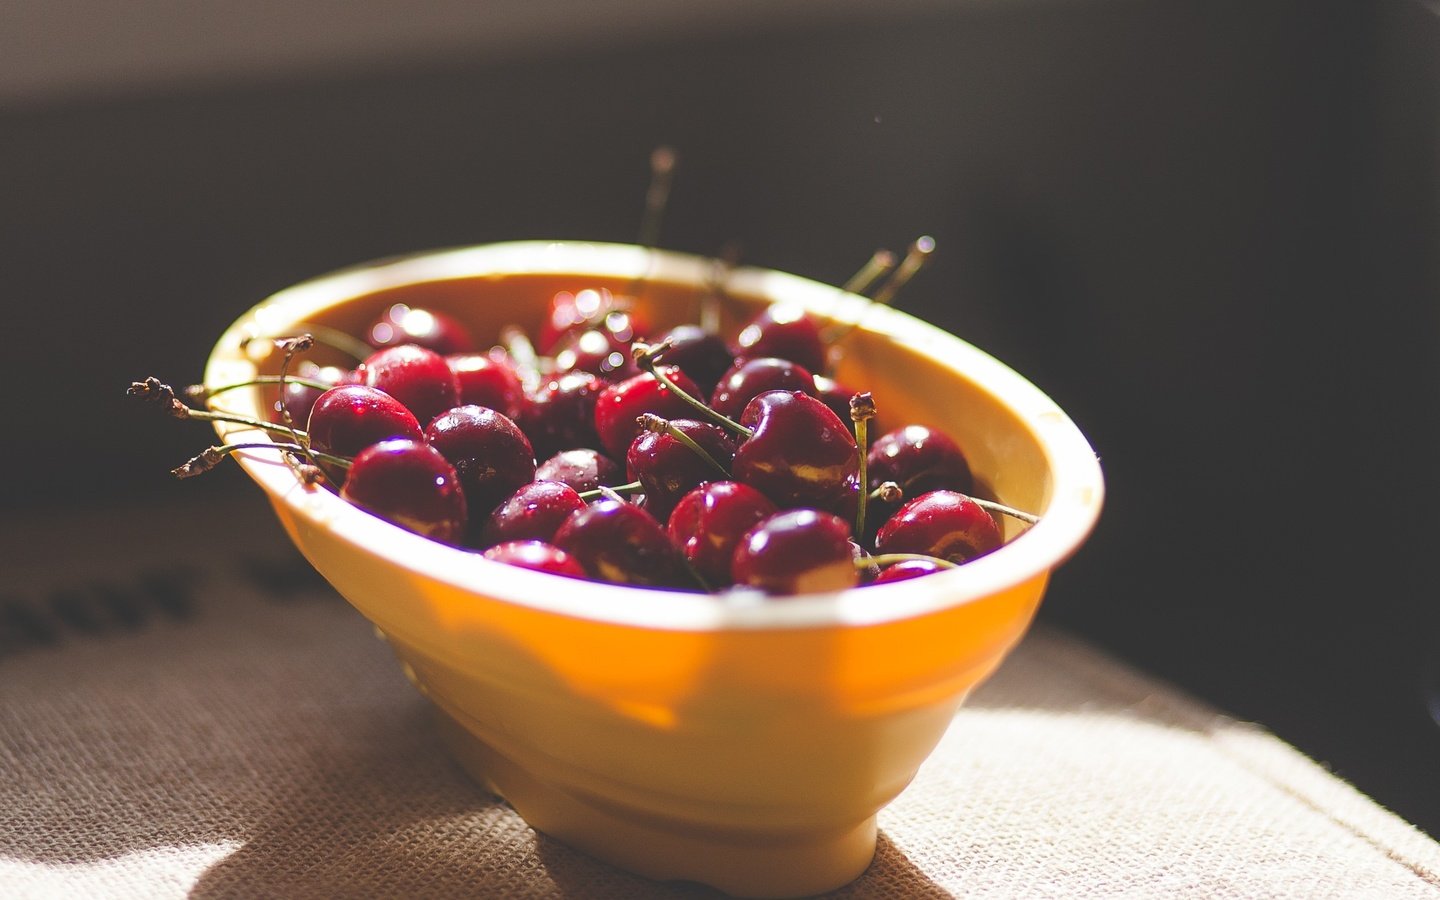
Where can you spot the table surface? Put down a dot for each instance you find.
(186, 710)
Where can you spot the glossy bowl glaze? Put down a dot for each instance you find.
(746, 745)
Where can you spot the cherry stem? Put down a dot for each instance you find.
(199, 393)
(656, 425)
(645, 357)
(153, 390)
(862, 410)
(610, 492)
(695, 574)
(888, 491)
(879, 263)
(715, 279)
(527, 362)
(886, 559)
(992, 506)
(291, 346)
(213, 456)
(657, 196)
(331, 337)
(205, 415)
(915, 259)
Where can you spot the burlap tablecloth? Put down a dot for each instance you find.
(184, 709)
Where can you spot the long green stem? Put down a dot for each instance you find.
(992, 506)
(613, 492)
(213, 456)
(653, 423)
(915, 259)
(199, 393)
(645, 357)
(205, 415)
(330, 337)
(886, 559)
(862, 410)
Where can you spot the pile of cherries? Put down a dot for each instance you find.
(687, 462)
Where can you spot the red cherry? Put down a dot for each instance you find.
(410, 484)
(708, 523)
(349, 418)
(667, 468)
(598, 352)
(533, 513)
(621, 543)
(800, 551)
(907, 569)
(800, 453)
(489, 451)
(788, 332)
(536, 555)
(619, 405)
(701, 354)
(561, 414)
(488, 380)
(749, 378)
(401, 324)
(920, 460)
(299, 399)
(584, 309)
(418, 378)
(865, 565)
(943, 524)
(583, 469)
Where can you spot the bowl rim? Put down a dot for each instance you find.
(1074, 505)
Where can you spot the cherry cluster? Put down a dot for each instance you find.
(688, 462)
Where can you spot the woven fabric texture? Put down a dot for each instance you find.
(183, 719)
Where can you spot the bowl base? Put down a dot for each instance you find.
(765, 865)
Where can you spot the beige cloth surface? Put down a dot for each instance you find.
(179, 717)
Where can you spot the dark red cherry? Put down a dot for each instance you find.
(489, 451)
(621, 543)
(667, 468)
(299, 399)
(749, 378)
(800, 453)
(401, 324)
(533, 513)
(942, 524)
(619, 405)
(561, 414)
(536, 555)
(920, 460)
(865, 565)
(708, 523)
(418, 378)
(597, 352)
(701, 354)
(488, 380)
(586, 309)
(786, 331)
(408, 483)
(349, 418)
(800, 551)
(907, 569)
(583, 469)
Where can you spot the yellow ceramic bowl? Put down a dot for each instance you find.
(745, 745)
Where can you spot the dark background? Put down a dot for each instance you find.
(1208, 228)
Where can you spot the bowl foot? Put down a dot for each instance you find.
(756, 865)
